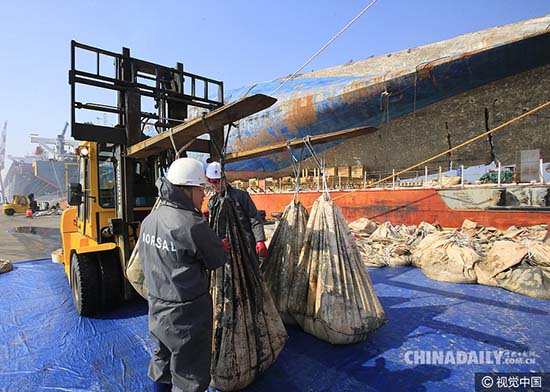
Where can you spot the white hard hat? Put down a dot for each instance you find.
(214, 171)
(186, 171)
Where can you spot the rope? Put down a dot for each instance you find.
(224, 151)
(220, 151)
(323, 48)
(184, 147)
(173, 143)
(296, 168)
(249, 89)
(320, 165)
(307, 142)
(476, 138)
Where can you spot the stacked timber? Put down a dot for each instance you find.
(279, 266)
(333, 296)
(248, 333)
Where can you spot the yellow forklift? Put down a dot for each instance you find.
(119, 164)
(19, 204)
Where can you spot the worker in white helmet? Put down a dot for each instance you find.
(177, 248)
(246, 209)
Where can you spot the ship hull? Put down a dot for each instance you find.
(381, 90)
(46, 179)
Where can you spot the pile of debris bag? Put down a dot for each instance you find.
(317, 276)
(5, 266)
(283, 256)
(517, 259)
(248, 333)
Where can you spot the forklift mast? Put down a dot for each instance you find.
(123, 92)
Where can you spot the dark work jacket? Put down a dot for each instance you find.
(177, 247)
(248, 214)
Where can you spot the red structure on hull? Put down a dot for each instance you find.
(408, 206)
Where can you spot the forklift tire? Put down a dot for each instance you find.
(9, 211)
(85, 284)
(110, 274)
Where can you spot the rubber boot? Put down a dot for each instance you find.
(160, 387)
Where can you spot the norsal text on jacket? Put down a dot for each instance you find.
(158, 242)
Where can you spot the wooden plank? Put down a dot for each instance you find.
(186, 132)
(280, 147)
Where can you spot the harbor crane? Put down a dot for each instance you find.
(56, 146)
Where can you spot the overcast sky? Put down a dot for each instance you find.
(236, 41)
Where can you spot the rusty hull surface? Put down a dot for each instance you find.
(374, 91)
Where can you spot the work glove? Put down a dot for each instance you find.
(225, 242)
(261, 249)
(206, 215)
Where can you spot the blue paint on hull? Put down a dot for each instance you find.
(314, 106)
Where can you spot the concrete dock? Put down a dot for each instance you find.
(23, 238)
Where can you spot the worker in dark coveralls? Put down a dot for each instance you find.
(177, 248)
(246, 209)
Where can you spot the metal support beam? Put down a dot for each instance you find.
(280, 147)
(216, 119)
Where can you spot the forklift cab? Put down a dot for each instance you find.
(143, 179)
(96, 193)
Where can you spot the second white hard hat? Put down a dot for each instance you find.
(186, 171)
(214, 171)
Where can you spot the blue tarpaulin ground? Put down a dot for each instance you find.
(46, 346)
